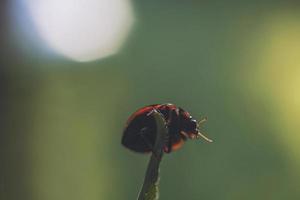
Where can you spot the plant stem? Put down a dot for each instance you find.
(149, 189)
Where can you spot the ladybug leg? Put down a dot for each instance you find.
(152, 111)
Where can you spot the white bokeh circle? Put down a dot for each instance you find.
(82, 30)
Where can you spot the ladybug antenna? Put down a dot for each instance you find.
(203, 120)
(204, 137)
(200, 134)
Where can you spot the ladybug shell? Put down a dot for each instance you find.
(140, 131)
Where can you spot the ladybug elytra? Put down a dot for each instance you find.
(140, 131)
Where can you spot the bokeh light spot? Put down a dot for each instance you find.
(276, 78)
(82, 30)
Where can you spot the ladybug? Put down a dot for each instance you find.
(140, 130)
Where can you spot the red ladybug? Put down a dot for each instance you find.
(140, 131)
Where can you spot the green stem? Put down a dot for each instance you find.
(149, 189)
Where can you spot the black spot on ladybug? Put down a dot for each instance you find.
(140, 131)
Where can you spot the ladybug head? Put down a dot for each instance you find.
(191, 129)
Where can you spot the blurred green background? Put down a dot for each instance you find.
(236, 63)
